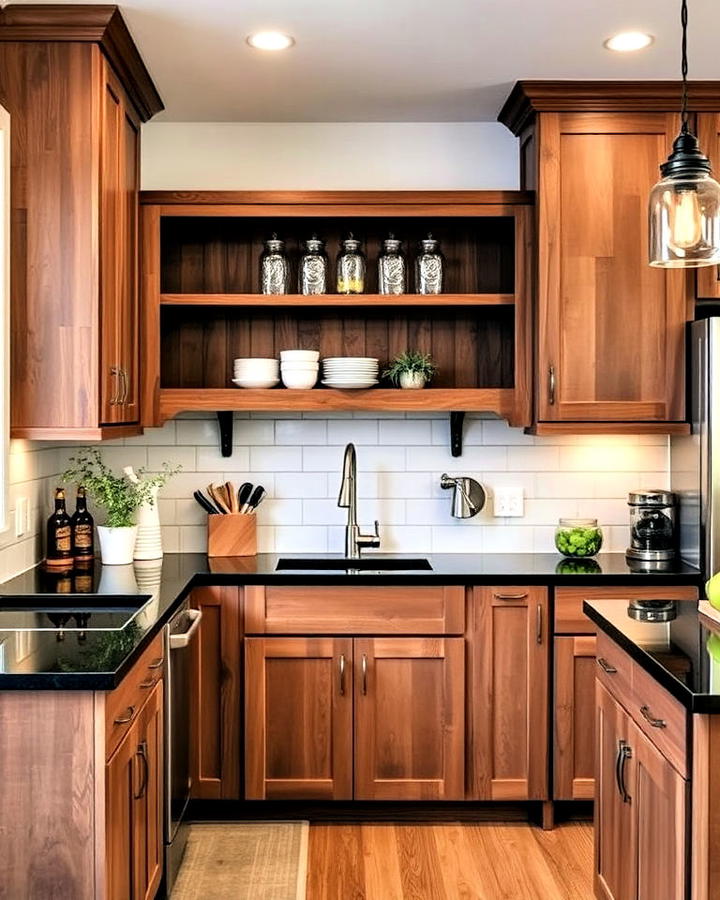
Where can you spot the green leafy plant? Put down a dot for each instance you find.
(410, 361)
(116, 494)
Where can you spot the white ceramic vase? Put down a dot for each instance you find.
(412, 381)
(149, 536)
(117, 545)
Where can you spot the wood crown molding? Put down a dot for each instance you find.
(231, 198)
(528, 98)
(95, 23)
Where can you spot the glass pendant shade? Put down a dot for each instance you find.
(685, 221)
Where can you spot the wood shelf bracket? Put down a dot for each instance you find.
(456, 432)
(225, 426)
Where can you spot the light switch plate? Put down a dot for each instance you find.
(508, 501)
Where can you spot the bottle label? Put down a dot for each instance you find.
(83, 536)
(62, 539)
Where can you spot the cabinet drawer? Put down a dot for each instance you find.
(656, 712)
(614, 669)
(124, 703)
(570, 619)
(366, 609)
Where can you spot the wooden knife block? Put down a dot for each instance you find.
(232, 534)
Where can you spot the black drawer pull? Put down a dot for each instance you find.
(649, 717)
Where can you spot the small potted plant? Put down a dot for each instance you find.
(118, 496)
(411, 370)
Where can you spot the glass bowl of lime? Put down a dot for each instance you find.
(578, 538)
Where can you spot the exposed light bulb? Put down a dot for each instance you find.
(685, 220)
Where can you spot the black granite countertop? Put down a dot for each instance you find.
(683, 655)
(35, 659)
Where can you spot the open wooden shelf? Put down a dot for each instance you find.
(495, 400)
(350, 300)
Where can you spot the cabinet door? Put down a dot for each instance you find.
(615, 801)
(574, 721)
(508, 694)
(216, 692)
(148, 809)
(298, 718)
(119, 172)
(121, 783)
(409, 719)
(660, 808)
(611, 329)
(708, 132)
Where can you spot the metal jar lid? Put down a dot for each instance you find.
(651, 497)
(274, 244)
(351, 244)
(429, 244)
(314, 244)
(391, 244)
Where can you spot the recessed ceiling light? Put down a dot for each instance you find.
(270, 40)
(627, 41)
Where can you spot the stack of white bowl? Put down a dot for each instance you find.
(350, 372)
(299, 368)
(256, 373)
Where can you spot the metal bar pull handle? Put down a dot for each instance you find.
(539, 624)
(342, 674)
(551, 385)
(157, 663)
(507, 596)
(605, 666)
(128, 717)
(115, 375)
(364, 673)
(623, 755)
(178, 641)
(649, 717)
(142, 753)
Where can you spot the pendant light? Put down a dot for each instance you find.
(685, 204)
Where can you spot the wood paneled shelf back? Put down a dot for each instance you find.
(202, 305)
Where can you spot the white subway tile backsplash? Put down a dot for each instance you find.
(539, 458)
(300, 539)
(275, 459)
(301, 431)
(356, 431)
(210, 459)
(197, 432)
(405, 431)
(253, 432)
(173, 456)
(301, 484)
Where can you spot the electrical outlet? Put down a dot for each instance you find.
(508, 501)
(21, 516)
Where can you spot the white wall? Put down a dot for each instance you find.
(328, 156)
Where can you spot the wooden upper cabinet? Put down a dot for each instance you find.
(610, 353)
(708, 132)
(74, 220)
(119, 185)
(409, 719)
(610, 327)
(298, 718)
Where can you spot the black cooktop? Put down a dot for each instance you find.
(672, 642)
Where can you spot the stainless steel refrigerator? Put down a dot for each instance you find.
(695, 458)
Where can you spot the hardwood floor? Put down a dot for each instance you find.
(450, 862)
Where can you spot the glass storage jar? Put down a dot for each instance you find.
(429, 267)
(274, 268)
(351, 267)
(578, 537)
(392, 274)
(312, 272)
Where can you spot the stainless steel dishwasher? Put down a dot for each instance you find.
(179, 635)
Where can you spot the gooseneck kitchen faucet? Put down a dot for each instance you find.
(354, 540)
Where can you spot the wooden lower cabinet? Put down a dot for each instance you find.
(337, 718)
(508, 657)
(298, 718)
(133, 806)
(640, 812)
(409, 719)
(574, 720)
(216, 699)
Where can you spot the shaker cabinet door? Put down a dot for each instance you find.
(574, 719)
(611, 328)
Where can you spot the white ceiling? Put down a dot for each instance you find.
(398, 60)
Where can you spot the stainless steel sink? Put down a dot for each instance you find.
(367, 563)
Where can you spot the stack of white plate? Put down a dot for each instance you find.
(350, 372)
(256, 373)
(299, 368)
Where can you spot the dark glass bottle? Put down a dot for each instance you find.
(83, 531)
(59, 551)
